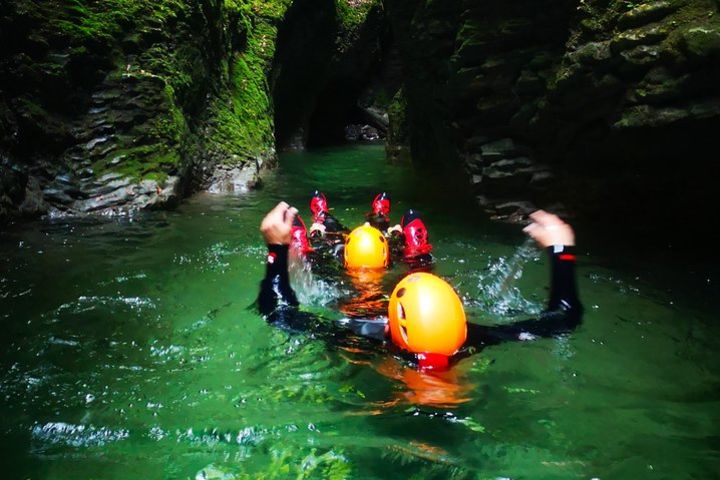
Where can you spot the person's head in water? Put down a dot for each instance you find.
(299, 241)
(426, 317)
(379, 214)
(366, 247)
(319, 207)
(381, 205)
(415, 235)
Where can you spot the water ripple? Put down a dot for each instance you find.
(87, 303)
(77, 435)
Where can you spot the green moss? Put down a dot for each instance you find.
(174, 64)
(175, 86)
(30, 108)
(170, 128)
(352, 13)
(104, 21)
(244, 127)
(268, 10)
(700, 14)
(398, 131)
(139, 163)
(242, 117)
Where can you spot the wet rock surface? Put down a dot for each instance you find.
(365, 133)
(111, 107)
(106, 109)
(528, 96)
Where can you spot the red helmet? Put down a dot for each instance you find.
(415, 233)
(381, 204)
(318, 207)
(299, 240)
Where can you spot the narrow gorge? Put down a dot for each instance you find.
(113, 107)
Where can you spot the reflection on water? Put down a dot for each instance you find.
(442, 389)
(129, 351)
(369, 297)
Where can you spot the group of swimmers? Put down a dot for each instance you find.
(371, 246)
(425, 320)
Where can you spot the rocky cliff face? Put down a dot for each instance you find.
(581, 98)
(109, 107)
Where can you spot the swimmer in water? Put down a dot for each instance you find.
(323, 221)
(422, 301)
(379, 214)
(416, 247)
(407, 241)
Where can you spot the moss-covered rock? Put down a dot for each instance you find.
(398, 136)
(643, 13)
(702, 43)
(579, 85)
(148, 91)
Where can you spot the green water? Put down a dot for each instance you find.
(129, 352)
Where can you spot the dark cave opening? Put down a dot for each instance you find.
(321, 75)
(336, 108)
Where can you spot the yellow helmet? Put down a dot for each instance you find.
(426, 315)
(366, 247)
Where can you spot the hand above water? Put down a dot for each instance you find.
(277, 224)
(548, 229)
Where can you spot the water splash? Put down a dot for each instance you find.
(497, 291)
(310, 289)
(218, 257)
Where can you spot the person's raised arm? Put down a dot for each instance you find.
(564, 310)
(275, 288)
(558, 238)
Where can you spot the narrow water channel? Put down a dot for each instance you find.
(129, 351)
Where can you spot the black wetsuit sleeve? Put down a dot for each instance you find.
(278, 303)
(563, 313)
(275, 289)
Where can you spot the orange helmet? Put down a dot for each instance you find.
(366, 247)
(426, 315)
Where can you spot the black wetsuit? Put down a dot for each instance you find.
(279, 305)
(380, 222)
